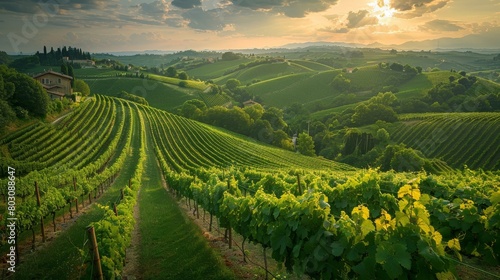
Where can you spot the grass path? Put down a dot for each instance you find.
(171, 246)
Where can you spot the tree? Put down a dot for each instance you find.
(341, 83)
(25, 63)
(397, 67)
(30, 95)
(6, 115)
(82, 87)
(71, 73)
(407, 160)
(382, 135)
(64, 69)
(275, 117)
(232, 84)
(193, 108)
(255, 111)
(369, 114)
(230, 56)
(305, 144)
(452, 79)
(386, 98)
(282, 140)
(262, 131)
(410, 70)
(4, 58)
(183, 76)
(171, 72)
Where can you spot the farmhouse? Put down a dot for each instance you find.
(249, 103)
(56, 84)
(85, 63)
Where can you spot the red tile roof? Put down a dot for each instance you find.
(54, 73)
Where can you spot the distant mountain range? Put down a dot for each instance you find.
(484, 42)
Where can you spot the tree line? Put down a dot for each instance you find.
(54, 57)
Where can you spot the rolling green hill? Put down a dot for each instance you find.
(262, 72)
(216, 69)
(118, 152)
(303, 88)
(158, 94)
(312, 65)
(471, 139)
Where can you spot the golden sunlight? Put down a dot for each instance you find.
(382, 10)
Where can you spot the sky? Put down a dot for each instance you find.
(174, 25)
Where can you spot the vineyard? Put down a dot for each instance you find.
(318, 217)
(472, 139)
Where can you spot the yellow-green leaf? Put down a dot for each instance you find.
(454, 244)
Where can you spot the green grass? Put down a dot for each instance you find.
(314, 66)
(267, 87)
(158, 94)
(171, 246)
(262, 72)
(303, 88)
(174, 81)
(217, 69)
(96, 72)
(324, 113)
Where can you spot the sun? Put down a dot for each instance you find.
(382, 10)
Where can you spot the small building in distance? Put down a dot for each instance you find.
(56, 84)
(249, 103)
(85, 63)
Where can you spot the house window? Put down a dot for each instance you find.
(59, 80)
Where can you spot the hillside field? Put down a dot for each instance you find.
(294, 205)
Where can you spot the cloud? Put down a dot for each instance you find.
(186, 4)
(156, 9)
(34, 6)
(20, 6)
(87, 4)
(416, 8)
(146, 37)
(258, 4)
(335, 30)
(71, 36)
(440, 25)
(205, 20)
(407, 5)
(290, 8)
(359, 19)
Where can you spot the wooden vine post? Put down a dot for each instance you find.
(76, 199)
(94, 250)
(42, 228)
(298, 184)
(230, 237)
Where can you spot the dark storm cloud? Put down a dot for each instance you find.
(441, 25)
(359, 19)
(186, 4)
